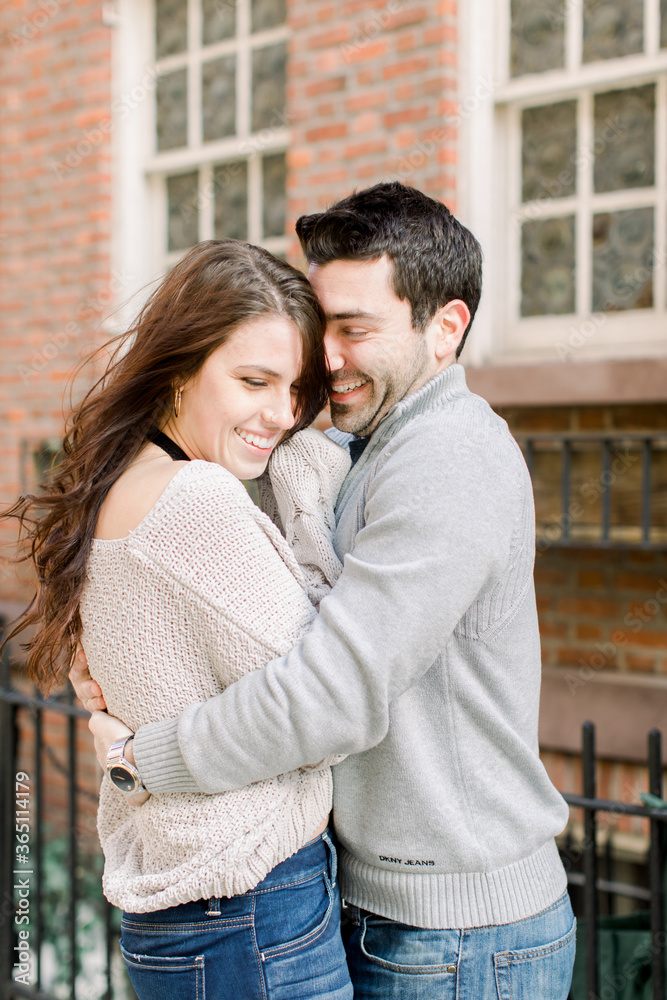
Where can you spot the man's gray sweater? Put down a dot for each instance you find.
(424, 666)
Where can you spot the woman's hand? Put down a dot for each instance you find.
(86, 689)
(106, 729)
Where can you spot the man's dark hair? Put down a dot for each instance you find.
(435, 258)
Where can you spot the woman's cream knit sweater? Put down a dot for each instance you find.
(204, 590)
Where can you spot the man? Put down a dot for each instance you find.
(424, 662)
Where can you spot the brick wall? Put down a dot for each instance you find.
(370, 83)
(54, 220)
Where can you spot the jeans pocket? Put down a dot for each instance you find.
(412, 949)
(163, 978)
(544, 971)
(300, 914)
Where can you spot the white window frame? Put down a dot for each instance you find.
(140, 243)
(490, 191)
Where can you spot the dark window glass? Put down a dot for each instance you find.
(171, 27)
(268, 86)
(274, 177)
(219, 98)
(612, 29)
(548, 150)
(230, 181)
(622, 260)
(547, 269)
(537, 36)
(218, 20)
(183, 211)
(268, 14)
(625, 139)
(172, 110)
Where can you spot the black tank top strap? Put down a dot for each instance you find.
(171, 448)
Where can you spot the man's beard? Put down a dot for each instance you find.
(356, 420)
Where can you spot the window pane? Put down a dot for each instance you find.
(230, 181)
(183, 211)
(622, 255)
(549, 148)
(612, 29)
(547, 273)
(538, 36)
(268, 14)
(171, 27)
(172, 110)
(218, 91)
(273, 191)
(625, 139)
(268, 85)
(218, 20)
(663, 24)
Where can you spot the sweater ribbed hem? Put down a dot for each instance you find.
(233, 870)
(456, 901)
(160, 761)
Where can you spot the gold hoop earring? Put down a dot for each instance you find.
(177, 402)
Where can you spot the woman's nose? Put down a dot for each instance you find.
(281, 415)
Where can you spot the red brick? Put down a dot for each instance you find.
(410, 114)
(327, 132)
(589, 606)
(649, 639)
(643, 663)
(591, 579)
(407, 67)
(326, 86)
(326, 39)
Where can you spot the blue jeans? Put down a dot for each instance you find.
(280, 941)
(531, 959)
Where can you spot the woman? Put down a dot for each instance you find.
(151, 553)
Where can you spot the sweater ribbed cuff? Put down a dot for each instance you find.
(159, 759)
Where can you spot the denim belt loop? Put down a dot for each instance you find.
(333, 862)
(214, 907)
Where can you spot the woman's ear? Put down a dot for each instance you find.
(451, 322)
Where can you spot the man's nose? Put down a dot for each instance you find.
(334, 352)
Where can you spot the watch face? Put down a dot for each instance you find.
(122, 779)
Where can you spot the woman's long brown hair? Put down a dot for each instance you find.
(217, 286)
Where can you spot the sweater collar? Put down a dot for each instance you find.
(446, 385)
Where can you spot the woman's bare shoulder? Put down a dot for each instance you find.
(135, 493)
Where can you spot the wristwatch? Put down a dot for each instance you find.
(122, 774)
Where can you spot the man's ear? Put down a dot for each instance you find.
(451, 322)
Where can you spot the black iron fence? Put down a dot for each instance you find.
(599, 488)
(25, 897)
(52, 911)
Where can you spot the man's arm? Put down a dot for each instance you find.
(438, 521)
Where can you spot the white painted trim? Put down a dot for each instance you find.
(606, 74)
(133, 95)
(475, 174)
(489, 196)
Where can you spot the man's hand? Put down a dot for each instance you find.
(87, 690)
(106, 729)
